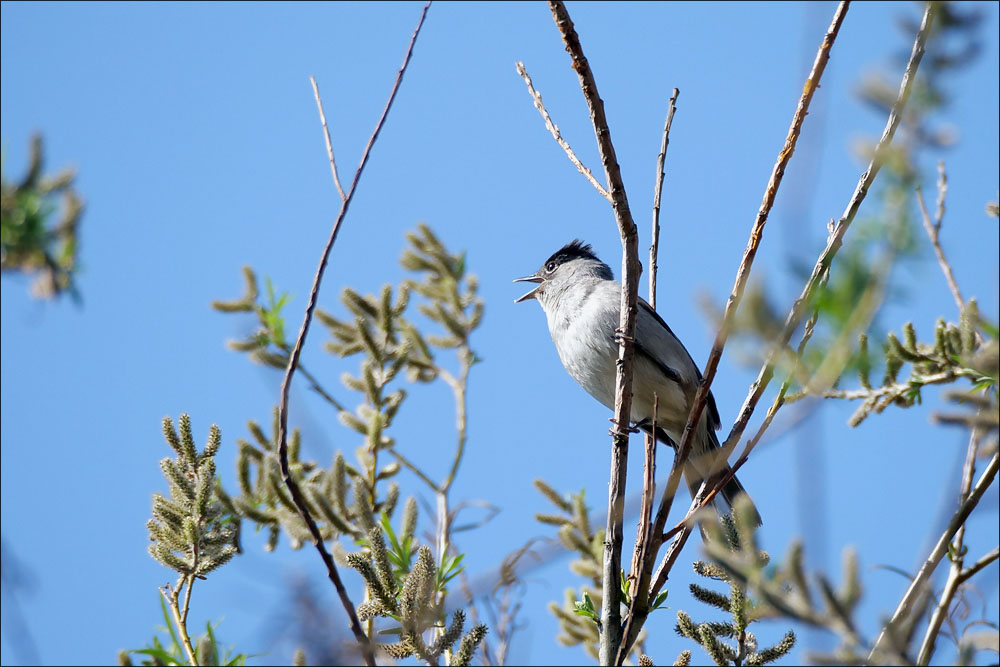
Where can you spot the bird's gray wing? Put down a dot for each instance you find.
(662, 347)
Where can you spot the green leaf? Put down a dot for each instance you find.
(586, 608)
(659, 600)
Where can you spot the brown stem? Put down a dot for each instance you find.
(922, 579)
(556, 134)
(742, 275)
(639, 576)
(172, 596)
(610, 608)
(836, 239)
(286, 476)
(932, 232)
(654, 248)
(820, 271)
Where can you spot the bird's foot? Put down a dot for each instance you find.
(617, 432)
(620, 337)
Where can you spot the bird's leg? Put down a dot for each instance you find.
(615, 431)
(620, 337)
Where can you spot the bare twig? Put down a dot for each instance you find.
(293, 488)
(172, 596)
(638, 608)
(556, 134)
(972, 571)
(639, 575)
(922, 579)
(326, 135)
(610, 607)
(932, 232)
(657, 193)
(837, 237)
(942, 189)
(742, 275)
(820, 271)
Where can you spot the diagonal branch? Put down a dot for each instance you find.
(836, 239)
(742, 274)
(920, 582)
(610, 607)
(286, 476)
(956, 573)
(932, 233)
(326, 135)
(821, 268)
(556, 134)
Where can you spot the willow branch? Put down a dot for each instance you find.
(556, 134)
(286, 476)
(743, 273)
(639, 576)
(326, 135)
(172, 596)
(922, 579)
(654, 248)
(610, 607)
(819, 274)
(986, 560)
(956, 571)
(836, 239)
(932, 233)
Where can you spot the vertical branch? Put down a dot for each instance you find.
(610, 608)
(172, 596)
(932, 233)
(657, 193)
(638, 574)
(293, 359)
(742, 274)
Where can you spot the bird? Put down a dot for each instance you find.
(581, 301)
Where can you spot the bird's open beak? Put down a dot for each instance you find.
(531, 294)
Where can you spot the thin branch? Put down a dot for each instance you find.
(875, 392)
(293, 488)
(406, 463)
(922, 579)
(742, 275)
(819, 274)
(836, 239)
(654, 249)
(972, 571)
(932, 232)
(326, 135)
(638, 609)
(180, 619)
(942, 189)
(639, 576)
(554, 130)
(610, 606)
(187, 597)
(956, 571)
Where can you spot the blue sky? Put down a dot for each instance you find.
(196, 139)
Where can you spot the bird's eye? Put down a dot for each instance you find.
(550, 267)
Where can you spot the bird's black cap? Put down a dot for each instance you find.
(575, 249)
